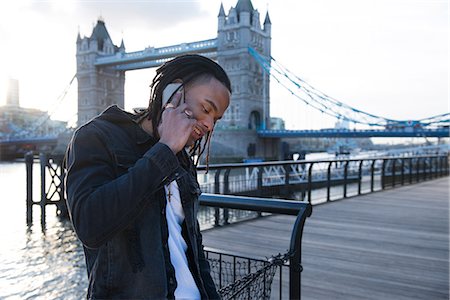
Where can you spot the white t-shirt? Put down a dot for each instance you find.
(186, 286)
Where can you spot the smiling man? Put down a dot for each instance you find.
(133, 191)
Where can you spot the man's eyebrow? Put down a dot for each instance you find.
(212, 104)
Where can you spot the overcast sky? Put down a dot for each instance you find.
(386, 57)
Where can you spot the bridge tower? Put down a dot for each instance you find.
(249, 108)
(98, 87)
(101, 68)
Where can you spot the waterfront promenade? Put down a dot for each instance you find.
(392, 244)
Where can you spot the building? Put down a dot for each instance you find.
(98, 88)
(18, 122)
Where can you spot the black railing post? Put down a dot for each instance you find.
(295, 263)
(394, 161)
(447, 169)
(260, 181)
(217, 191)
(62, 210)
(410, 169)
(29, 167)
(329, 180)
(226, 191)
(280, 290)
(310, 181)
(286, 180)
(437, 164)
(372, 175)
(345, 178)
(425, 168)
(360, 176)
(43, 162)
(383, 173)
(432, 168)
(418, 170)
(403, 171)
(446, 165)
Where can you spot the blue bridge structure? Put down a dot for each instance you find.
(356, 133)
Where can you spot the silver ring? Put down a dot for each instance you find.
(188, 114)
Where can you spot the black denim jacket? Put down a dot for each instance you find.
(115, 178)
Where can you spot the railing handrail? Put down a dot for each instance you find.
(296, 162)
(269, 205)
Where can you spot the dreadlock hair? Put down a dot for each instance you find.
(190, 68)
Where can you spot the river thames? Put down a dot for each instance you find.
(36, 262)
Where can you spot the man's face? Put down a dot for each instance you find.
(207, 101)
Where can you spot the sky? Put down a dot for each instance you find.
(386, 57)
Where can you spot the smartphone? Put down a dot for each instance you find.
(169, 91)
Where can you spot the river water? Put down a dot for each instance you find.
(36, 262)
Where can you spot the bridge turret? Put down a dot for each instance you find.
(267, 24)
(98, 87)
(245, 11)
(221, 17)
(249, 106)
(122, 47)
(255, 20)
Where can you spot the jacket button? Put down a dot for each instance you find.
(163, 211)
(171, 281)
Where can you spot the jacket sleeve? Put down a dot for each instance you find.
(205, 270)
(101, 205)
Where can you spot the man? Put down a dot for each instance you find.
(133, 192)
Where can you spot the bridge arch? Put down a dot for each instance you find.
(254, 121)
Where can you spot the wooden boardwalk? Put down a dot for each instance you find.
(386, 245)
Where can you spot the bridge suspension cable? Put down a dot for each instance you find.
(331, 106)
(54, 107)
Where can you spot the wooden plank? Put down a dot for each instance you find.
(392, 244)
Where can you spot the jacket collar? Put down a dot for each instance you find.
(116, 115)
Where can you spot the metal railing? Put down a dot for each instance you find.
(52, 188)
(314, 181)
(319, 181)
(277, 206)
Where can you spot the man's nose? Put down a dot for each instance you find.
(208, 123)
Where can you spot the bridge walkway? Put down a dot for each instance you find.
(385, 245)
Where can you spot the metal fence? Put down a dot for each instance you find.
(314, 181)
(318, 181)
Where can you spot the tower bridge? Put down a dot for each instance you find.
(153, 57)
(243, 48)
(101, 68)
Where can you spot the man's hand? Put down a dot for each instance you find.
(176, 124)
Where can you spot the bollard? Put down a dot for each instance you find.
(217, 191)
(29, 167)
(226, 191)
(43, 162)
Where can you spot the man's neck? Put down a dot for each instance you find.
(147, 126)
